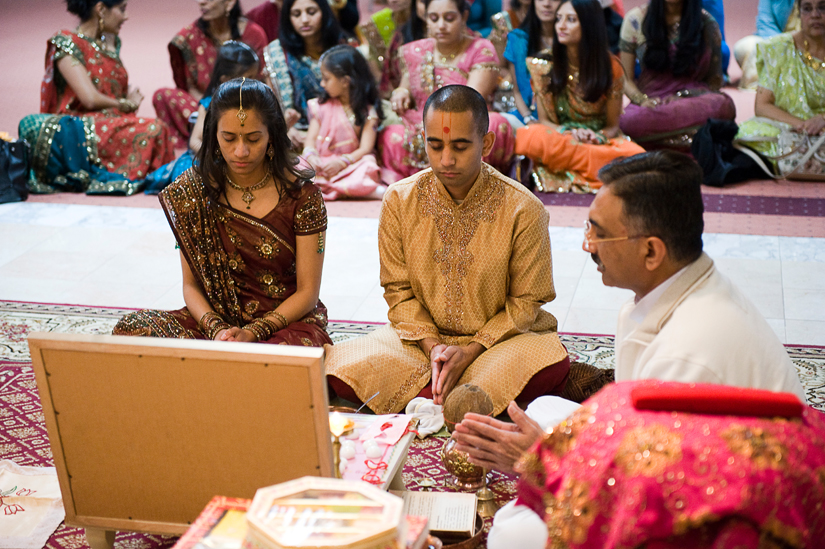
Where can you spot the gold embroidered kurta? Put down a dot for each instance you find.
(476, 271)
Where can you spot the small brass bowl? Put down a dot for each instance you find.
(466, 476)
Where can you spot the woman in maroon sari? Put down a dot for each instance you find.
(192, 53)
(250, 226)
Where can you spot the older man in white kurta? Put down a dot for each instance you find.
(688, 322)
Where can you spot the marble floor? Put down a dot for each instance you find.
(126, 257)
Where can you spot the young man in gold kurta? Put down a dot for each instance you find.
(466, 267)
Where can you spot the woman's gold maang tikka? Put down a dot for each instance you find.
(241, 114)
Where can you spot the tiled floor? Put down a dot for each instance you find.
(126, 257)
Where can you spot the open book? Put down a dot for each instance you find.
(452, 515)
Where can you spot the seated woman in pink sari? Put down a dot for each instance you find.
(193, 52)
(250, 226)
(579, 98)
(678, 45)
(342, 127)
(450, 57)
(620, 473)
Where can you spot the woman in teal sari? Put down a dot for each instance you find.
(791, 92)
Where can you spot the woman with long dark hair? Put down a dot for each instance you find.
(678, 45)
(192, 53)
(579, 100)
(292, 62)
(250, 226)
(533, 36)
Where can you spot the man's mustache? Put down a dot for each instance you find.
(595, 258)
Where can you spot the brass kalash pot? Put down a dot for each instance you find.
(466, 476)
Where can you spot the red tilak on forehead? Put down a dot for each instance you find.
(447, 128)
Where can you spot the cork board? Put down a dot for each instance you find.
(145, 431)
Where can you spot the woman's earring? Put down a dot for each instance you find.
(100, 27)
(270, 152)
(218, 156)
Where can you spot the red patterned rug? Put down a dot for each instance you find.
(23, 437)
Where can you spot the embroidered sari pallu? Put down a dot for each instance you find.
(245, 266)
(337, 137)
(562, 163)
(128, 145)
(402, 147)
(193, 55)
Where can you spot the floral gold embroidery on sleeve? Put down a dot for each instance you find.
(311, 216)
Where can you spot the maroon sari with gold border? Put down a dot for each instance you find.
(245, 266)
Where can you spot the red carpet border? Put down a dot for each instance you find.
(24, 440)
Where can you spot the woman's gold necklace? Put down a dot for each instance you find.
(247, 196)
(452, 56)
(809, 59)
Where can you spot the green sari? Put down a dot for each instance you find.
(797, 82)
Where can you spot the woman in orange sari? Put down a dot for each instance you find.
(579, 100)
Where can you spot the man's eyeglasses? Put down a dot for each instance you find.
(589, 243)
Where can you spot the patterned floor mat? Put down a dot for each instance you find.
(23, 437)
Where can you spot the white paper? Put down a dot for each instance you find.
(446, 511)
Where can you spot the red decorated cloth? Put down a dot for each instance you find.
(704, 398)
(614, 476)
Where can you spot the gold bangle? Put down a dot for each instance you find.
(280, 317)
(208, 319)
(213, 330)
(260, 329)
(273, 326)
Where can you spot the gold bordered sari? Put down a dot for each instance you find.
(245, 266)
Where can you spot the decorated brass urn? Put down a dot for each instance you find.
(463, 399)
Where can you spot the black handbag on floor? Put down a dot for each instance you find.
(722, 163)
(14, 171)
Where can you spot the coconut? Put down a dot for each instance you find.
(463, 399)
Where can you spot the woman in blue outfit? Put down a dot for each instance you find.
(235, 59)
(533, 36)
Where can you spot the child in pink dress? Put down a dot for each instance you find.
(343, 127)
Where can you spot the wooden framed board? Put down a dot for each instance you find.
(145, 431)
